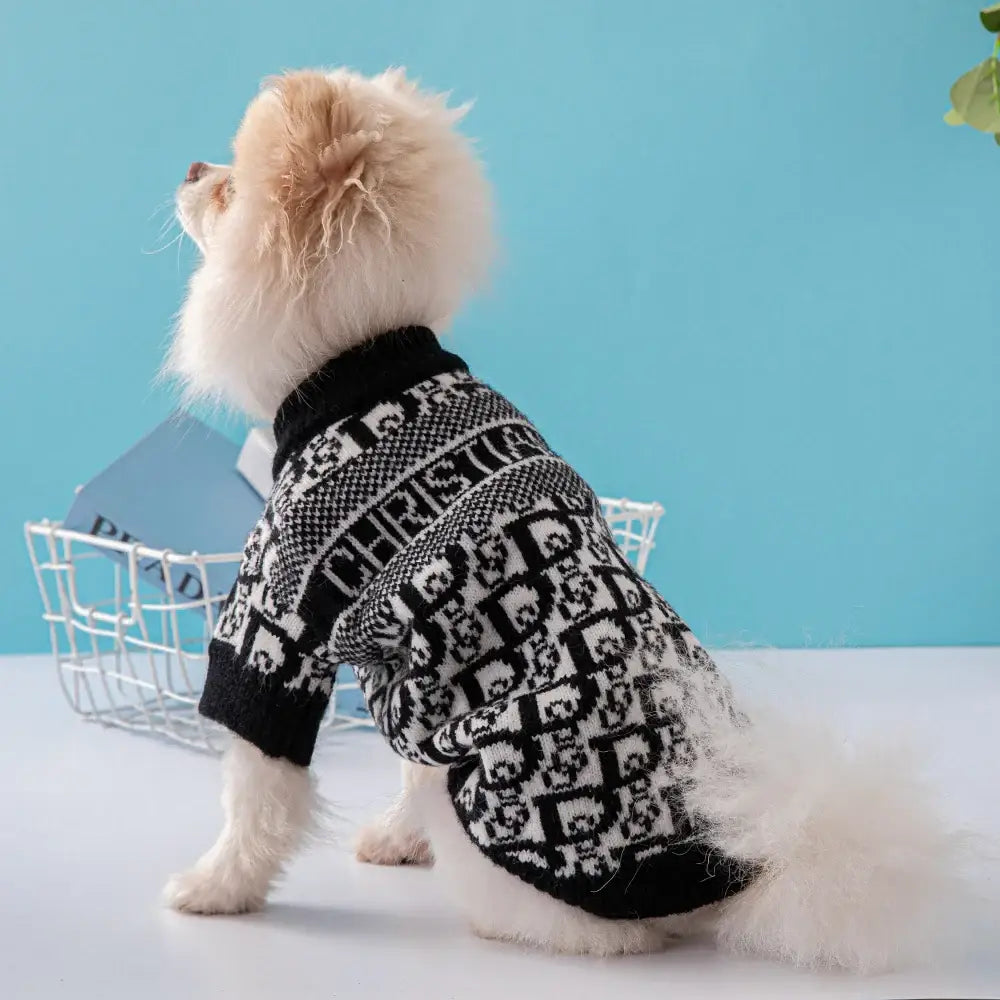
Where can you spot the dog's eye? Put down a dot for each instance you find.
(222, 194)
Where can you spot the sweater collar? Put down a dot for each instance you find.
(356, 381)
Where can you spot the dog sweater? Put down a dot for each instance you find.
(420, 529)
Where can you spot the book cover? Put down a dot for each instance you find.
(256, 458)
(179, 489)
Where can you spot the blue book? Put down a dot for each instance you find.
(180, 488)
(350, 700)
(177, 489)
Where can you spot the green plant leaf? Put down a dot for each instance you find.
(973, 99)
(991, 17)
(996, 138)
(952, 117)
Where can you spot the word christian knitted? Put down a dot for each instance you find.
(420, 529)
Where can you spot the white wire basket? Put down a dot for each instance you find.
(133, 656)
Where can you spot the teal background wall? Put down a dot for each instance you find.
(747, 271)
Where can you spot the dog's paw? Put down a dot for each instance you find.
(207, 891)
(377, 845)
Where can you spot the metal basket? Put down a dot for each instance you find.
(132, 656)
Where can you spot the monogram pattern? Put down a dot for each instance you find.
(436, 543)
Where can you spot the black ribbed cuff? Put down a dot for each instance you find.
(259, 709)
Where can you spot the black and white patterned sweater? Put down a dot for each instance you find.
(420, 529)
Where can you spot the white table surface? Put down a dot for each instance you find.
(92, 820)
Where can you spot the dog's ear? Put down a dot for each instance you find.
(394, 78)
(305, 148)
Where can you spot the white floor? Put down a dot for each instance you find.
(92, 820)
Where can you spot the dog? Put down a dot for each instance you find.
(595, 789)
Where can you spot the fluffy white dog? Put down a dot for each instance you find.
(353, 207)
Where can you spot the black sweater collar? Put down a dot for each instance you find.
(356, 381)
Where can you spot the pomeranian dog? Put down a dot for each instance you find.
(574, 765)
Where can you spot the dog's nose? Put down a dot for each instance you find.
(196, 170)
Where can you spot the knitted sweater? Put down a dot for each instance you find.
(420, 529)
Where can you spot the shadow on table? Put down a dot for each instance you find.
(326, 921)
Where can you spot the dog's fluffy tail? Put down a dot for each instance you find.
(856, 866)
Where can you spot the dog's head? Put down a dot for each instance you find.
(352, 206)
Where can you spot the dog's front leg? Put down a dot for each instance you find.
(396, 837)
(268, 805)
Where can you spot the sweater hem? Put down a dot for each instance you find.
(684, 876)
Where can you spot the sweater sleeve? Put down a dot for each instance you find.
(268, 681)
